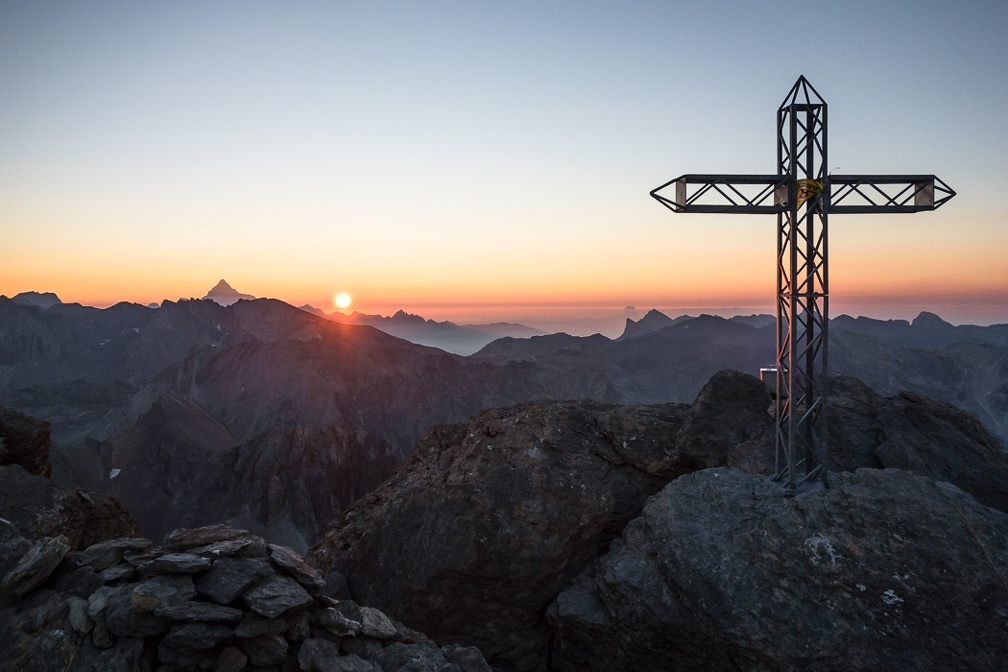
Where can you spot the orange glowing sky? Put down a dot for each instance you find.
(482, 162)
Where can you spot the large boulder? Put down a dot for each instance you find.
(731, 423)
(488, 521)
(722, 571)
(918, 434)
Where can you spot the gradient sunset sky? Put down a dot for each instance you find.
(456, 159)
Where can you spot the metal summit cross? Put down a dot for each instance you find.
(802, 179)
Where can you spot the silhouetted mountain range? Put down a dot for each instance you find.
(43, 301)
(448, 336)
(175, 398)
(548, 511)
(187, 400)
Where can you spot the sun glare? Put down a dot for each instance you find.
(343, 300)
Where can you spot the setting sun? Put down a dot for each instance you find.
(343, 300)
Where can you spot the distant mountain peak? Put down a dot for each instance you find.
(225, 294)
(926, 319)
(403, 317)
(652, 321)
(43, 300)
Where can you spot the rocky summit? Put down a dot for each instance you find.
(549, 536)
(481, 534)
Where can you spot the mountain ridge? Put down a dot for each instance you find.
(263, 368)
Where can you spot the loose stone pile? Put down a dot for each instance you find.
(206, 598)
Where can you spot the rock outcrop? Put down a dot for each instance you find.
(206, 598)
(484, 525)
(488, 521)
(918, 434)
(886, 570)
(33, 508)
(25, 441)
(36, 508)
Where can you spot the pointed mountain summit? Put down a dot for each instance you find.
(225, 294)
(651, 322)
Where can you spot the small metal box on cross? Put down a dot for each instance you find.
(802, 194)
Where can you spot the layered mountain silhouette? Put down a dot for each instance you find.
(448, 336)
(659, 359)
(561, 503)
(190, 402)
(178, 400)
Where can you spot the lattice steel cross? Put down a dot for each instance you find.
(802, 179)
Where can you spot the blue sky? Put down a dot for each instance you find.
(434, 154)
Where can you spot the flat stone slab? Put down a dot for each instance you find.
(174, 563)
(295, 565)
(186, 538)
(230, 577)
(105, 554)
(276, 595)
(205, 612)
(161, 591)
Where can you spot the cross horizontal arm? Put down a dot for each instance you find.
(753, 194)
(887, 193)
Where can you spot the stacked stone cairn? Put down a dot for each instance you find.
(211, 598)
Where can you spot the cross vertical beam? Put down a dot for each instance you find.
(801, 195)
(802, 290)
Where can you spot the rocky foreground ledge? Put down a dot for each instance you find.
(211, 598)
(886, 570)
